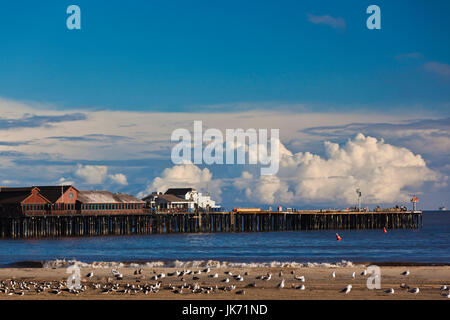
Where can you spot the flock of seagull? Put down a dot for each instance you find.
(13, 287)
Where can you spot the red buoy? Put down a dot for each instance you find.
(338, 237)
(384, 230)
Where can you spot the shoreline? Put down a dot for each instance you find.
(319, 284)
(27, 264)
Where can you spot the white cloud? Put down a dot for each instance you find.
(337, 23)
(438, 68)
(385, 174)
(64, 182)
(119, 178)
(185, 176)
(91, 174)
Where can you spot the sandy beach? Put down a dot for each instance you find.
(319, 284)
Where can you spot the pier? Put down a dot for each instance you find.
(38, 226)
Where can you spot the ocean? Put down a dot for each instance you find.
(431, 244)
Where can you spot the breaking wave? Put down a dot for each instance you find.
(62, 263)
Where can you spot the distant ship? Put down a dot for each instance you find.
(443, 208)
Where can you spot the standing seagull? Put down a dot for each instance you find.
(415, 290)
(347, 289)
(353, 275)
(281, 284)
(333, 274)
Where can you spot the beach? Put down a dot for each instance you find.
(318, 282)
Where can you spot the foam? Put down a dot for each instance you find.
(62, 263)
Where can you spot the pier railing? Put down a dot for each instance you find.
(188, 222)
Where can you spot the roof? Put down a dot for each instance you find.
(106, 197)
(172, 198)
(14, 196)
(51, 193)
(179, 191)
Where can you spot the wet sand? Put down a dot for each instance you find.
(318, 283)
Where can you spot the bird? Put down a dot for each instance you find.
(226, 280)
(300, 287)
(252, 285)
(405, 273)
(228, 273)
(90, 275)
(353, 275)
(280, 274)
(391, 291)
(240, 292)
(333, 274)
(444, 287)
(215, 275)
(281, 284)
(447, 295)
(364, 272)
(207, 270)
(414, 290)
(300, 278)
(347, 289)
(404, 286)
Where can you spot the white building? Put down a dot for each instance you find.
(190, 194)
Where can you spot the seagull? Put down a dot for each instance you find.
(240, 292)
(333, 274)
(280, 274)
(90, 275)
(353, 275)
(414, 290)
(447, 295)
(405, 273)
(404, 286)
(228, 273)
(391, 291)
(444, 287)
(268, 277)
(347, 289)
(364, 273)
(207, 270)
(300, 278)
(281, 284)
(226, 280)
(300, 287)
(252, 285)
(215, 275)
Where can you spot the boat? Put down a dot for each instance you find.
(442, 208)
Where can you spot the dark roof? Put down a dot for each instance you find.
(52, 193)
(171, 198)
(179, 191)
(14, 195)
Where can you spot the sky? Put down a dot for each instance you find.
(96, 106)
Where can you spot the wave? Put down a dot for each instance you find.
(62, 263)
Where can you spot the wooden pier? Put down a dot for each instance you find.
(158, 223)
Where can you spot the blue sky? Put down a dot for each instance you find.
(183, 55)
(96, 106)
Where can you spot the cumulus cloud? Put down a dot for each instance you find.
(438, 68)
(91, 174)
(337, 23)
(65, 182)
(118, 178)
(185, 176)
(384, 173)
